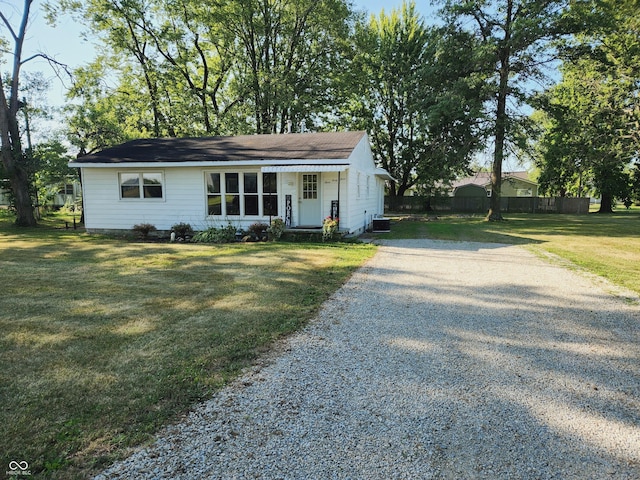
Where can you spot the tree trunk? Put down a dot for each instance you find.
(504, 53)
(11, 147)
(606, 203)
(19, 178)
(495, 213)
(393, 190)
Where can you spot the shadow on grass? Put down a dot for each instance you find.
(104, 341)
(517, 229)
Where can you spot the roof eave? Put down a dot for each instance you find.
(208, 163)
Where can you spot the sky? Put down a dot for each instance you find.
(65, 43)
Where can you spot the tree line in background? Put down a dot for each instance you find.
(430, 96)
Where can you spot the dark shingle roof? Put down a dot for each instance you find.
(293, 146)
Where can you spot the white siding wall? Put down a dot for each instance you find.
(330, 192)
(366, 190)
(184, 200)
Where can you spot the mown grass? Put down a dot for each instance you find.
(606, 245)
(103, 340)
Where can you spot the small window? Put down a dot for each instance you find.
(269, 194)
(250, 193)
(141, 185)
(232, 189)
(231, 183)
(233, 204)
(152, 185)
(67, 189)
(130, 185)
(214, 197)
(310, 186)
(269, 184)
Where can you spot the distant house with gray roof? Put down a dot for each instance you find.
(514, 184)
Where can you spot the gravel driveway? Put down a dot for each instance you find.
(436, 360)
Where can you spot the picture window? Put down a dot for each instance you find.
(233, 193)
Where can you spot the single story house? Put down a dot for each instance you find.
(514, 184)
(213, 181)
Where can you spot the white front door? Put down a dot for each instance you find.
(310, 201)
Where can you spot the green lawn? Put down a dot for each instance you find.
(103, 340)
(607, 245)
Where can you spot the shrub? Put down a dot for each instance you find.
(182, 230)
(216, 235)
(143, 230)
(276, 229)
(257, 230)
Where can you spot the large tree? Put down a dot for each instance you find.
(177, 54)
(592, 131)
(583, 142)
(288, 57)
(14, 159)
(222, 66)
(415, 91)
(101, 117)
(515, 38)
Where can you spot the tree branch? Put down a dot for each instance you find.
(52, 62)
(9, 27)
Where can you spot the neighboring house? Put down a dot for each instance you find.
(5, 196)
(212, 181)
(68, 193)
(514, 184)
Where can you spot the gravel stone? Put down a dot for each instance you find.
(436, 360)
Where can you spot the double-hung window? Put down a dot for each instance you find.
(232, 189)
(141, 185)
(250, 182)
(214, 194)
(269, 194)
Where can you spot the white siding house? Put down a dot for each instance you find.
(213, 181)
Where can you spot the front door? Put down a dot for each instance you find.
(310, 202)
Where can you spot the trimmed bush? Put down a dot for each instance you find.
(143, 230)
(258, 231)
(182, 230)
(216, 235)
